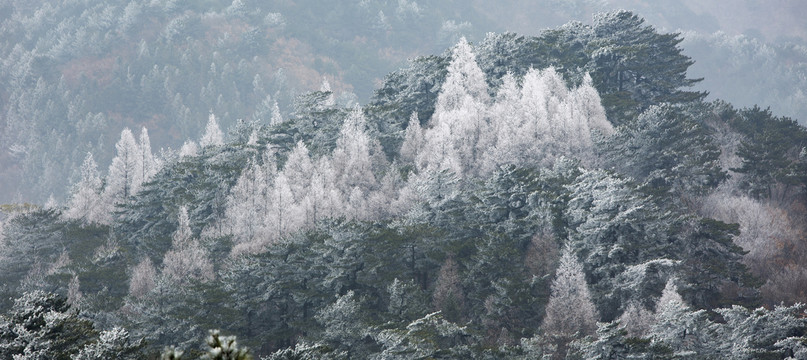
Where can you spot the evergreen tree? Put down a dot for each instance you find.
(460, 109)
(112, 344)
(669, 151)
(43, 326)
(342, 327)
(150, 165)
(122, 180)
(246, 205)
(428, 337)
(186, 261)
(634, 67)
(413, 140)
(676, 325)
(142, 279)
(770, 155)
(570, 309)
(85, 201)
(213, 135)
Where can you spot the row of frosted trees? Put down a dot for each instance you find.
(529, 121)
(94, 198)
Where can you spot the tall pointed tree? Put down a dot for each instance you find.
(413, 139)
(213, 135)
(150, 165)
(460, 110)
(299, 170)
(351, 159)
(122, 180)
(570, 309)
(86, 197)
(245, 213)
(187, 261)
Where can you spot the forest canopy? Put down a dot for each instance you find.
(561, 195)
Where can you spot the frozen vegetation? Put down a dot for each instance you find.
(569, 194)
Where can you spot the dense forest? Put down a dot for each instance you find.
(570, 194)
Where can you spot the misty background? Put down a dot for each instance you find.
(73, 74)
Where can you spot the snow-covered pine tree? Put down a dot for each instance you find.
(188, 149)
(352, 164)
(149, 164)
(413, 140)
(325, 87)
(678, 326)
(186, 261)
(213, 135)
(570, 309)
(122, 180)
(460, 113)
(298, 170)
(142, 279)
(246, 213)
(85, 200)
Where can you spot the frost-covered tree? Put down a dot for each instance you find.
(123, 178)
(43, 326)
(636, 320)
(459, 117)
(413, 140)
(222, 347)
(112, 344)
(764, 229)
(325, 87)
(149, 164)
(85, 201)
(74, 295)
(615, 227)
(407, 301)
(754, 333)
(189, 148)
(428, 337)
(529, 124)
(352, 163)
(677, 325)
(439, 153)
(277, 117)
(299, 170)
(284, 216)
(142, 280)
(770, 237)
(342, 327)
(246, 204)
(186, 261)
(323, 199)
(213, 135)
(543, 120)
(570, 309)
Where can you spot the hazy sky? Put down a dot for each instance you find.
(772, 19)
